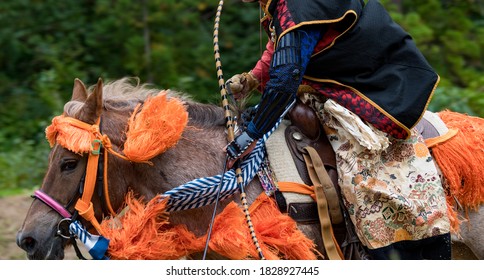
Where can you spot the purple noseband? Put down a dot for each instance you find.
(52, 203)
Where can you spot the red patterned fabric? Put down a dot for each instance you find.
(364, 109)
(285, 17)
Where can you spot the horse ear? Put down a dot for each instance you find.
(92, 108)
(79, 92)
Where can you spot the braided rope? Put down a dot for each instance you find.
(230, 126)
(221, 82)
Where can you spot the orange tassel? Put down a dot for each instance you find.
(460, 158)
(229, 238)
(152, 130)
(280, 233)
(69, 136)
(155, 128)
(144, 233)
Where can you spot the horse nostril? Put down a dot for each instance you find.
(28, 244)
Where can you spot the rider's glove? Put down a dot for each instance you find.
(242, 84)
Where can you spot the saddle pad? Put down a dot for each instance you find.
(283, 165)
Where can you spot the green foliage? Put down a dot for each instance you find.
(46, 44)
(22, 166)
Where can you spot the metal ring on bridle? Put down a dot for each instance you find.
(59, 230)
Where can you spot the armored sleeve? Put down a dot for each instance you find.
(288, 64)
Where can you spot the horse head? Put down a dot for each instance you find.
(44, 232)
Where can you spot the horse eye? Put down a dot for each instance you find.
(68, 164)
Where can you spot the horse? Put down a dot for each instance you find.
(198, 153)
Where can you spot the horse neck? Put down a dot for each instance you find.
(200, 143)
(199, 153)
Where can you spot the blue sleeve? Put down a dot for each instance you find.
(289, 62)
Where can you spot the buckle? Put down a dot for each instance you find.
(96, 146)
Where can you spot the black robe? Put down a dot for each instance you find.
(367, 53)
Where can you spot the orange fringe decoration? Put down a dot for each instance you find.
(155, 128)
(152, 130)
(279, 232)
(68, 135)
(145, 233)
(461, 161)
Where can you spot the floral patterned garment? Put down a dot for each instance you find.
(392, 193)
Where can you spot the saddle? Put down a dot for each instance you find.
(306, 131)
(315, 161)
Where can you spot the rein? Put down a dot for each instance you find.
(230, 130)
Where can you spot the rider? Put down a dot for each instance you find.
(352, 53)
(371, 67)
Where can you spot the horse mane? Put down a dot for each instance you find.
(205, 115)
(125, 94)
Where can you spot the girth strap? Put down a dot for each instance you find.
(323, 188)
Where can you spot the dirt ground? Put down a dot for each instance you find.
(14, 208)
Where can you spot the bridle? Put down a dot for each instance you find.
(95, 178)
(52, 203)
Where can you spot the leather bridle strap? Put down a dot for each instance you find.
(49, 201)
(84, 204)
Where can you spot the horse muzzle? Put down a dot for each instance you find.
(50, 247)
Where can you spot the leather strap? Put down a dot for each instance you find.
(84, 204)
(303, 212)
(323, 178)
(323, 184)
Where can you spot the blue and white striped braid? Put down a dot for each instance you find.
(96, 245)
(203, 191)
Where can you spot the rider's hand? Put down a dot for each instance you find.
(242, 84)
